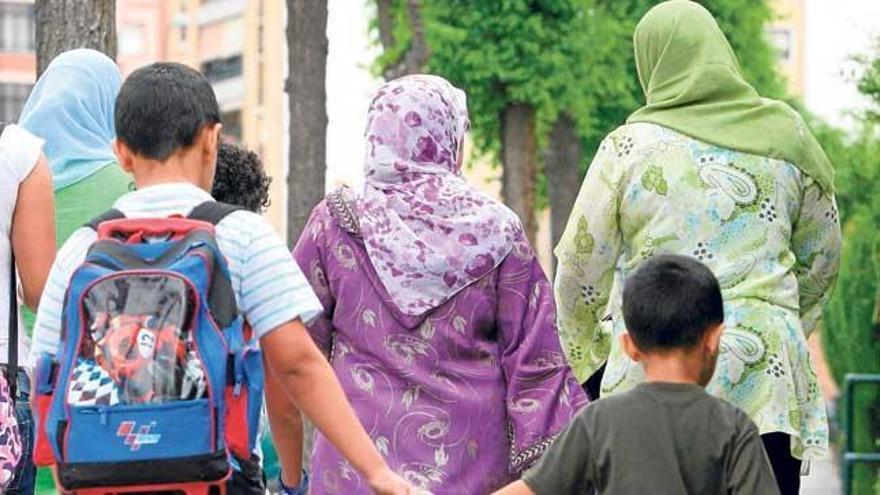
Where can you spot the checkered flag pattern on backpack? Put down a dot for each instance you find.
(90, 385)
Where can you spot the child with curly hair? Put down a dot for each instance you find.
(241, 179)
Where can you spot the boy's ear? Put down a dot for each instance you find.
(712, 339)
(208, 144)
(211, 138)
(123, 154)
(630, 347)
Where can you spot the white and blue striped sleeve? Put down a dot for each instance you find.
(272, 288)
(47, 328)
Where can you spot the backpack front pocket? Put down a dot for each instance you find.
(131, 433)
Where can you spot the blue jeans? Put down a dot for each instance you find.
(26, 474)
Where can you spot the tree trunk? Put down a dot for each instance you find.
(307, 63)
(562, 168)
(415, 60)
(385, 15)
(63, 25)
(519, 160)
(417, 56)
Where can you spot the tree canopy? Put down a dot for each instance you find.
(561, 55)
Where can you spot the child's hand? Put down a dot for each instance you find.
(389, 483)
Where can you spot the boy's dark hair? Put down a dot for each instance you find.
(240, 179)
(162, 107)
(670, 302)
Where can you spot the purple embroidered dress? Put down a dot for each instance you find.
(438, 320)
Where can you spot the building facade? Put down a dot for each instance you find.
(240, 46)
(141, 27)
(18, 63)
(788, 36)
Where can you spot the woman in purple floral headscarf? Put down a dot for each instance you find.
(438, 318)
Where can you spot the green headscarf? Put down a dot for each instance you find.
(693, 84)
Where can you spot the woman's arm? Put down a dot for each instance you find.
(33, 231)
(587, 257)
(542, 394)
(310, 254)
(816, 243)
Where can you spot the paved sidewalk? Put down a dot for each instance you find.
(824, 479)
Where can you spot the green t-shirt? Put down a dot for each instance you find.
(78, 203)
(663, 438)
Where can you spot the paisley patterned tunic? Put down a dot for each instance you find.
(769, 233)
(459, 399)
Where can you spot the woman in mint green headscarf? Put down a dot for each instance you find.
(709, 169)
(71, 107)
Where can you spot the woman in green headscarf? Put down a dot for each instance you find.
(709, 169)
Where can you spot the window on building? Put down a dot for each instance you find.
(781, 39)
(220, 69)
(17, 27)
(12, 97)
(231, 124)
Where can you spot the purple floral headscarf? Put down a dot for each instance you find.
(428, 233)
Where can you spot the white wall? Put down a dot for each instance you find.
(836, 31)
(349, 89)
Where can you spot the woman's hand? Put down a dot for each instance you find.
(387, 482)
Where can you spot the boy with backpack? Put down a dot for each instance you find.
(667, 435)
(148, 373)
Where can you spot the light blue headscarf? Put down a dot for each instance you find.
(71, 107)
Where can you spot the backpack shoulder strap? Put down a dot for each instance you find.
(12, 356)
(112, 214)
(221, 296)
(212, 212)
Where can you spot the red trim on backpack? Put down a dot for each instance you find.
(134, 230)
(214, 487)
(43, 455)
(237, 422)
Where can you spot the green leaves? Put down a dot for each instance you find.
(572, 56)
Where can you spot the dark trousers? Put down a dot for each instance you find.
(786, 468)
(26, 473)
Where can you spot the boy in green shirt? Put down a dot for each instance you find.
(667, 435)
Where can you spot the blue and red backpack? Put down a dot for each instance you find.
(158, 383)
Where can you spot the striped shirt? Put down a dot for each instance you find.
(269, 286)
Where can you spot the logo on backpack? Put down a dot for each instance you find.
(134, 439)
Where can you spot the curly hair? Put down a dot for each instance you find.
(241, 179)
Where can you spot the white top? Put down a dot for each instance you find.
(269, 286)
(19, 153)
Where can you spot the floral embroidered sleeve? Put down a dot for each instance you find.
(587, 256)
(310, 252)
(542, 394)
(816, 241)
